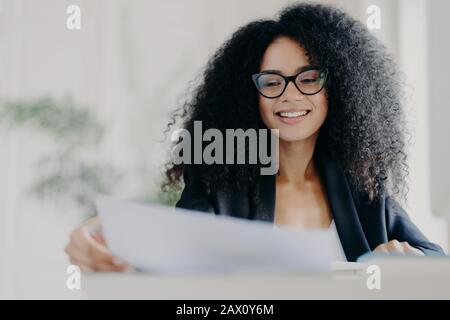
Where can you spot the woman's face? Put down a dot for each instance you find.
(284, 113)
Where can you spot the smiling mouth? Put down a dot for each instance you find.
(293, 114)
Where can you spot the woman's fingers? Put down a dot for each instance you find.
(99, 238)
(101, 257)
(75, 255)
(412, 250)
(381, 248)
(394, 246)
(87, 248)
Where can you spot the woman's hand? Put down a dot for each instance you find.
(87, 248)
(397, 247)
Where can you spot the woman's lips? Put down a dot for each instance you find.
(291, 119)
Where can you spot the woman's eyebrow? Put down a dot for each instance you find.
(299, 69)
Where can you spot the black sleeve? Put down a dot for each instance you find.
(194, 196)
(401, 228)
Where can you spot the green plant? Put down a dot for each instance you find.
(66, 173)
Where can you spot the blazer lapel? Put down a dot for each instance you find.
(340, 197)
(343, 208)
(264, 209)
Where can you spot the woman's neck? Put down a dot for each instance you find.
(296, 161)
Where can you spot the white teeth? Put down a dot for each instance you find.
(293, 114)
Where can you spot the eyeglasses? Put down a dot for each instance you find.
(309, 81)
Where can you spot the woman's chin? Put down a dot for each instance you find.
(289, 137)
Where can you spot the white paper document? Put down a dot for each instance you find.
(155, 238)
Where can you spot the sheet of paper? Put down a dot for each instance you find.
(160, 239)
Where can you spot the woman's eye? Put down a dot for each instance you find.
(308, 80)
(272, 84)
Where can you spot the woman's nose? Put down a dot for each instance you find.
(292, 93)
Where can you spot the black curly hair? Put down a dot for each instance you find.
(365, 128)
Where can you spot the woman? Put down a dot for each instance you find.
(332, 91)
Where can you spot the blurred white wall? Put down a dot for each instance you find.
(439, 105)
(413, 34)
(129, 63)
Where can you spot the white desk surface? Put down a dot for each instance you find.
(408, 278)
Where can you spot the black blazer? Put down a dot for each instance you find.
(361, 225)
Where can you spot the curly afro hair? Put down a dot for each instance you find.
(365, 127)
